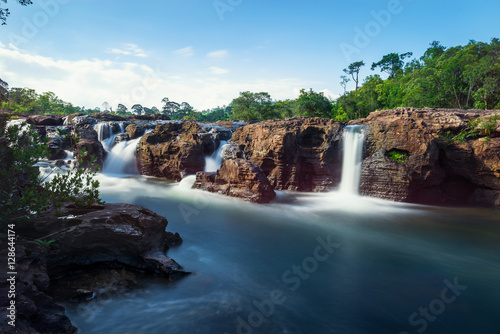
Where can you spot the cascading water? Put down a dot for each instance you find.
(353, 140)
(213, 162)
(121, 158)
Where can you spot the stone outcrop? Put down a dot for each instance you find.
(175, 149)
(113, 233)
(300, 154)
(93, 147)
(237, 178)
(36, 311)
(134, 131)
(51, 120)
(436, 169)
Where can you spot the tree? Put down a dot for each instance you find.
(252, 106)
(391, 63)
(312, 104)
(353, 70)
(169, 107)
(105, 106)
(344, 82)
(137, 109)
(121, 109)
(4, 12)
(4, 91)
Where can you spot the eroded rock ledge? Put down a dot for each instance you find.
(107, 235)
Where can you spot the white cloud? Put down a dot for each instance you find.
(218, 70)
(129, 50)
(329, 94)
(218, 54)
(90, 82)
(184, 52)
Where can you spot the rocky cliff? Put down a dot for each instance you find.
(432, 156)
(300, 154)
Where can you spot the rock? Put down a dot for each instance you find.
(300, 154)
(134, 131)
(52, 120)
(93, 147)
(107, 117)
(36, 311)
(237, 178)
(174, 149)
(114, 233)
(121, 137)
(435, 171)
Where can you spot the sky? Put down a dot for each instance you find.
(205, 52)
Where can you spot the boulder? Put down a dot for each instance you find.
(134, 131)
(113, 233)
(174, 149)
(299, 154)
(237, 178)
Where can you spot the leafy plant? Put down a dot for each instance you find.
(398, 156)
(46, 243)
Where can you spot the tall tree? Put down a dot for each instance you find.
(121, 109)
(353, 70)
(344, 82)
(137, 109)
(169, 107)
(392, 63)
(252, 106)
(4, 12)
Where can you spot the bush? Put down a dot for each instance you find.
(398, 156)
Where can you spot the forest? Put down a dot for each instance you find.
(463, 77)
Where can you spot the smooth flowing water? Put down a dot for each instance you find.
(213, 162)
(308, 263)
(353, 140)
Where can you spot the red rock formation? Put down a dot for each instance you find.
(438, 170)
(300, 154)
(174, 150)
(237, 178)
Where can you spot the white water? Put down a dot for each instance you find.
(213, 162)
(121, 159)
(353, 140)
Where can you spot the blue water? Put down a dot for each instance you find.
(269, 268)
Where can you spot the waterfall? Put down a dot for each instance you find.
(121, 158)
(353, 139)
(213, 162)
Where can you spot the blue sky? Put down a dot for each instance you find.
(205, 52)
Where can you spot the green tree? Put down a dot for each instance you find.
(252, 106)
(313, 104)
(392, 63)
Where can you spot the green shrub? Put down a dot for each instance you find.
(398, 156)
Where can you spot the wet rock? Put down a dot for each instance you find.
(134, 131)
(300, 154)
(174, 149)
(436, 170)
(237, 178)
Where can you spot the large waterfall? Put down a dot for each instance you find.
(353, 139)
(121, 159)
(213, 162)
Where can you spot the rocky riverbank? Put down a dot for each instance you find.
(106, 236)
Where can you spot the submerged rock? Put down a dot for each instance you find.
(237, 178)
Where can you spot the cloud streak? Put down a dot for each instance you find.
(129, 50)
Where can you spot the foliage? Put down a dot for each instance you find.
(27, 101)
(392, 63)
(398, 156)
(485, 126)
(313, 104)
(4, 12)
(353, 70)
(252, 107)
(23, 193)
(46, 243)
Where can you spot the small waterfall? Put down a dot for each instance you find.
(213, 162)
(121, 158)
(353, 140)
